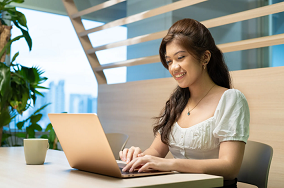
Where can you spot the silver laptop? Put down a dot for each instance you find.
(86, 147)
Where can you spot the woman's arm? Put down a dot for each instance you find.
(157, 148)
(227, 165)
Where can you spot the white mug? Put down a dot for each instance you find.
(35, 150)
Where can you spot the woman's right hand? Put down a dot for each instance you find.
(128, 155)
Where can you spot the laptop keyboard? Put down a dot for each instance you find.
(135, 172)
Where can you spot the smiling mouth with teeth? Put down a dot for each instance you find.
(180, 75)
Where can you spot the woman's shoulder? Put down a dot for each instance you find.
(231, 97)
(219, 92)
(231, 105)
(233, 94)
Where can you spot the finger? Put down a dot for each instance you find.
(139, 161)
(130, 154)
(121, 155)
(128, 166)
(146, 167)
(124, 154)
(137, 151)
(141, 155)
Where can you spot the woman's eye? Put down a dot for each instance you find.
(168, 62)
(180, 57)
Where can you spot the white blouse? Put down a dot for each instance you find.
(202, 141)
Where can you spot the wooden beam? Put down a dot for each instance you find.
(130, 62)
(227, 47)
(135, 40)
(85, 41)
(252, 43)
(233, 18)
(144, 15)
(96, 8)
(245, 15)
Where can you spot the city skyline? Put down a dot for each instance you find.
(56, 96)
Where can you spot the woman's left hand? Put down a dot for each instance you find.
(148, 163)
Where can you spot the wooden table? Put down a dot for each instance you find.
(56, 172)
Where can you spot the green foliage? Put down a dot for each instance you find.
(18, 19)
(18, 89)
(32, 122)
(32, 126)
(6, 116)
(20, 84)
(52, 139)
(5, 136)
(5, 77)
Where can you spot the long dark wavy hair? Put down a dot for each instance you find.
(196, 38)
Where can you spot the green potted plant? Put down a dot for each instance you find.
(18, 84)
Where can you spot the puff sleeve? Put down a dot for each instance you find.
(232, 117)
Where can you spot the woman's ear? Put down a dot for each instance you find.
(206, 57)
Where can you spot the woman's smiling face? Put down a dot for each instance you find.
(184, 68)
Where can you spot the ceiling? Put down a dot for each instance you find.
(120, 10)
(56, 6)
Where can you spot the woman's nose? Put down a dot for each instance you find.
(175, 65)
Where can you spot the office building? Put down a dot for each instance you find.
(80, 103)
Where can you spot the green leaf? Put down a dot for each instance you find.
(44, 136)
(5, 136)
(31, 132)
(32, 77)
(37, 72)
(28, 38)
(22, 19)
(48, 127)
(26, 73)
(11, 12)
(21, 135)
(6, 2)
(15, 105)
(5, 80)
(22, 105)
(25, 34)
(38, 93)
(41, 87)
(41, 108)
(18, 1)
(20, 125)
(3, 22)
(6, 116)
(14, 57)
(36, 127)
(51, 135)
(35, 118)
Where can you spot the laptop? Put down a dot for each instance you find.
(86, 147)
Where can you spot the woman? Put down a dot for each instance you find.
(204, 124)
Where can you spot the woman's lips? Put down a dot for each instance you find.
(179, 76)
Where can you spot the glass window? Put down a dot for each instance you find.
(57, 51)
